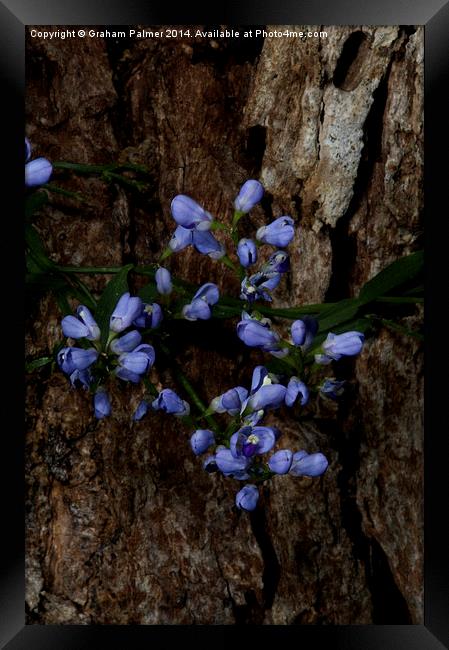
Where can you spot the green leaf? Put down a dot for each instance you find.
(34, 201)
(113, 290)
(37, 250)
(148, 293)
(38, 363)
(392, 276)
(396, 327)
(339, 313)
(355, 325)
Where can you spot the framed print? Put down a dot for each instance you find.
(224, 221)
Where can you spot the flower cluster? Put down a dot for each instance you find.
(37, 171)
(246, 449)
(240, 454)
(193, 228)
(123, 355)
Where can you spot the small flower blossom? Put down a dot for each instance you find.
(279, 232)
(125, 312)
(247, 497)
(37, 171)
(231, 466)
(201, 440)
(204, 242)
(126, 343)
(82, 327)
(296, 387)
(81, 378)
(150, 317)
(340, 345)
(252, 441)
(303, 331)
(281, 461)
(256, 335)
(332, 388)
(169, 402)
(180, 239)
(247, 252)
(141, 410)
(305, 464)
(163, 281)
(249, 195)
(279, 262)
(257, 286)
(71, 359)
(268, 396)
(199, 308)
(230, 402)
(189, 214)
(102, 404)
(136, 363)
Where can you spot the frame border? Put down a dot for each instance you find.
(434, 14)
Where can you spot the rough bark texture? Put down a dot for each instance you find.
(123, 526)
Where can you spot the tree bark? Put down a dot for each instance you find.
(123, 525)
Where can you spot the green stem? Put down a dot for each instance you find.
(229, 263)
(71, 195)
(191, 392)
(98, 169)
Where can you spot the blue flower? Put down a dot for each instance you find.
(305, 464)
(249, 195)
(332, 388)
(206, 244)
(71, 359)
(199, 308)
(231, 466)
(230, 402)
(170, 402)
(247, 252)
(126, 310)
(279, 262)
(37, 171)
(141, 410)
(279, 232)
(303, 331)
(102, 404)
(126, 343)
(163, 281)
(296, 387)
(340, 345)
(256, 335)
(82, 327)
(247, 497)
(200, 440)
(136, 363)
(252, 441)
(81, 378)
(281, 461)
(189, 214)
(257, 286)
(268, 396)
(150, 317)
(181, 238)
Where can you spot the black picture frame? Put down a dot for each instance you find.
(14, 16)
